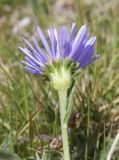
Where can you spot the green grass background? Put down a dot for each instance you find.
(29, 117)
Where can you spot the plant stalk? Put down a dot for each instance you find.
(62, 93)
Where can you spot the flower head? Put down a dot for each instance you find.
(63, 57)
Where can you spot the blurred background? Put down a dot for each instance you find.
(29, 117)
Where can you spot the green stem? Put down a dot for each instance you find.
(62, 93)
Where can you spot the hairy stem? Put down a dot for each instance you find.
(62, 93)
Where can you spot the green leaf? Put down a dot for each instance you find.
(46, 155)
(37, 156)
(70, 103)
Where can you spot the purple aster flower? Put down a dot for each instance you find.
(78, 49)
(60, 62)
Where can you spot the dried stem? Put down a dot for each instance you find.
(113, 146)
